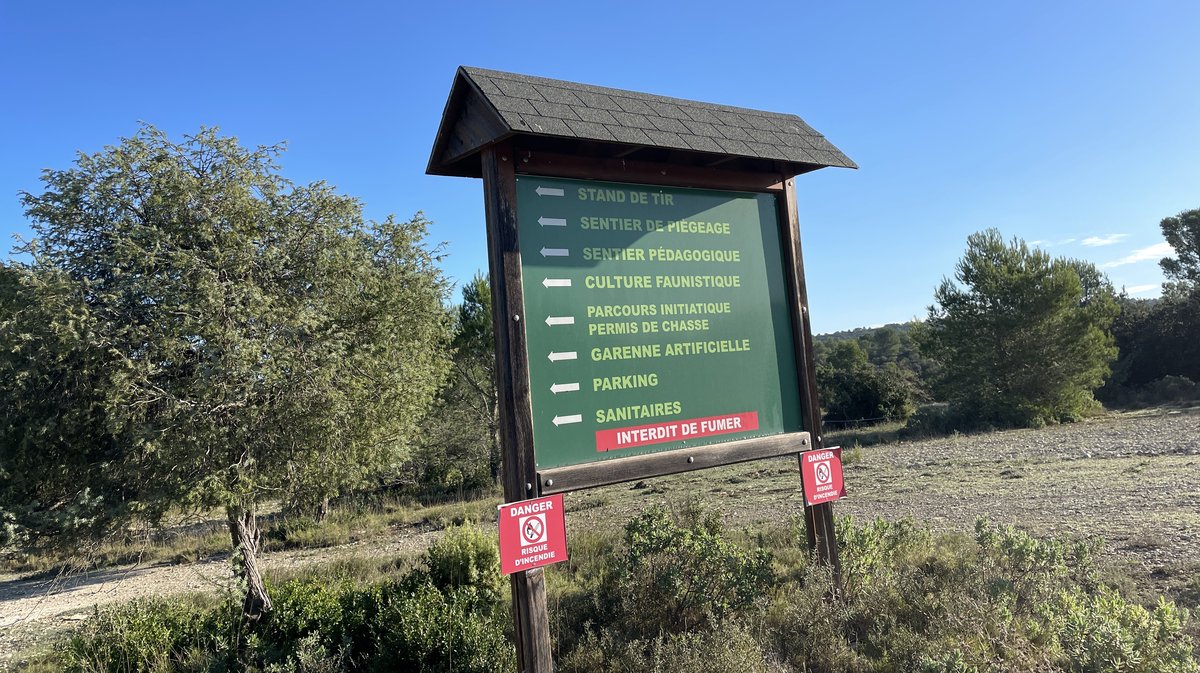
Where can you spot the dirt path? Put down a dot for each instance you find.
(1133, 479)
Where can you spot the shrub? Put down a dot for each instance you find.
(317, 625)
(309, 613)
(931, 420)
(1031, 570)
(678, 595)
(728, 649)
(149, 636)
(1101, 633)
(466, 557)
(673, 578)
(853, 390)
(913, 601)
(311, 656)
(420, 628)
(1169, 389)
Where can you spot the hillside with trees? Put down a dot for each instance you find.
(1019, 338)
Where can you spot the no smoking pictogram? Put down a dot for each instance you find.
(823, 472)
(533, 529)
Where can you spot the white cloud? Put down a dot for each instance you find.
(1140, 289)
(1155, 252)
(1050, 244)
(1097, 241)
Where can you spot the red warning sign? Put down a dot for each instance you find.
(533, 533)
(671, 431)
(821, 472)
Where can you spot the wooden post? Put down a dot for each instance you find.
(531, 622)
(818, 519)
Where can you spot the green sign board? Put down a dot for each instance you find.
(656, 319)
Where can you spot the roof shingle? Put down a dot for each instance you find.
(540, 106)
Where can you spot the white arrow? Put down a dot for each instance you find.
(564, 388)
(552, 222)
(549, 191)
(555, 252)
(553, 320)
(568, 355)
(567, 420)
(556, 282)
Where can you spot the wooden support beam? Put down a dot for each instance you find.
(530, 619)
(818, 519)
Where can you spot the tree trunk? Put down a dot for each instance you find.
(243, 530)
(323, 509)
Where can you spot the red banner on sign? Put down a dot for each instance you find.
(533, 533)
(673, 431)
(821, 472)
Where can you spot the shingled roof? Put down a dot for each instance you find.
(488, 105)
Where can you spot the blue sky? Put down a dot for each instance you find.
(1072, 124)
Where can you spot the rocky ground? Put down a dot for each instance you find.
(1133, 479)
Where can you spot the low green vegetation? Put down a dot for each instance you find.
(679, 592)
(450, 614)
(353, 520)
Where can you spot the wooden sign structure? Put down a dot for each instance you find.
(648, 294)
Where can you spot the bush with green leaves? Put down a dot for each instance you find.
(1030, 570)
(154, 636)
(317, 625)
(1002, 601)
(854, 390)
(430, 630)
(1103, 633)
(680, 595)
(674, 578)
(729, 648)
(466, 558)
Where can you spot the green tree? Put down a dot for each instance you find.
(459, 448)
(1160, 338)
(853, 390)
(475, 362)
(1183, 233)
(882, 345)
(195, 331)
(1022, 338)
(57, 449)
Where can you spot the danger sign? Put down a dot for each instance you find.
(533, 533)
(821, 472)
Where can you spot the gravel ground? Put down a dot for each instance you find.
(1133, 479)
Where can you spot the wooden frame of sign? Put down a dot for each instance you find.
(474, 130)
(521, 478)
